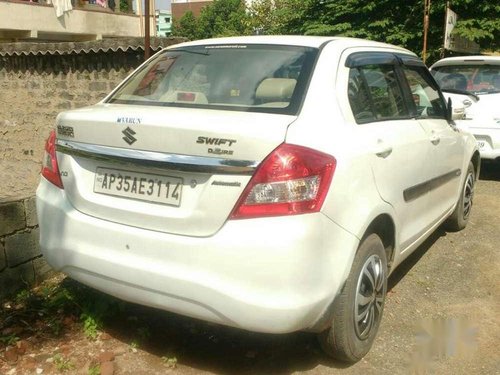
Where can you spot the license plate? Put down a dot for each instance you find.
(145, 187)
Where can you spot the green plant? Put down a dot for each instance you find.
(134, 344)
(22, 296)
(94, 370)
(170, 362)
(9, 339)
(96, 308)
(91, 325)
(62, 364)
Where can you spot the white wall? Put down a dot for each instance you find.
(25, 20)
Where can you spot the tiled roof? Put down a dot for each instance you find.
(66, 48)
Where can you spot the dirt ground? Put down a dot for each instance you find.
(441, 317)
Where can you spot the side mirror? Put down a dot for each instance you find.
(456, 112)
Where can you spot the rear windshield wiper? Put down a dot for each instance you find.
(461, 92)
(188, 51)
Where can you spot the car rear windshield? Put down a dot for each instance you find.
(259, 78)
(478, 79)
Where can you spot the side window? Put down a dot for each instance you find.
(375, 95)
(426, 97)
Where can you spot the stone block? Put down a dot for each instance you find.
(103, 75)
(3, 259)
(42, 269)
(11, 217)
(30, 209)
(64, 105)
(21, 247)
(85, 75)
(67, 96)
(17, 278)
(61, 85)
(44, 103)
(98, 86)
(32, 85)
(100, 96)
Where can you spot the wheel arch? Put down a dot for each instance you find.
(476, 161)
(383, 225)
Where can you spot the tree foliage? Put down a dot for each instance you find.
(187, 26)
(479, 21)
(219, 18)
(399, 23)
(278, 16)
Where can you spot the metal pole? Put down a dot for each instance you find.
(443, 52)
(147, 41)
(427, 7)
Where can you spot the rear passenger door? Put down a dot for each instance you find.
(397, 143)
(445, 155)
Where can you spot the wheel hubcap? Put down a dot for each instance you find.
(369, 299)
(468, 194)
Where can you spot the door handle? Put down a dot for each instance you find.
(382, 150)
(435, 139)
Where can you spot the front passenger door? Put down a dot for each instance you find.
(444, 159)
(398, 145)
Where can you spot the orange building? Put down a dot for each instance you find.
(180, 7)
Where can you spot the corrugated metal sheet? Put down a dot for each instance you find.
(67, 48)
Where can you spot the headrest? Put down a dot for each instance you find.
(280, 89)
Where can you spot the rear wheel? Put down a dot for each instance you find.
(357, 311)
(460, 217)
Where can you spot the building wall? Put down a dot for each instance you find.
(163, 23)
(179, 9)
(34, 88)
(36, 84)
(24, 20)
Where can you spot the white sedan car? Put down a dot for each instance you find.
(265, 183)
(474, 82)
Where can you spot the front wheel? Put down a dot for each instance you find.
(460, 216)
(357, 310)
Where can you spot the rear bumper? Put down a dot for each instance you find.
(488, 138)
(272, 275)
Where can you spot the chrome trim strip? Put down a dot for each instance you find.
(159, 160)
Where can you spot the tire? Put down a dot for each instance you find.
(349, 339)
(460, 217)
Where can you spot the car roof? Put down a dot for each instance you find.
(291, 40)
(468, 60)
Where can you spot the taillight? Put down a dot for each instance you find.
(291, 180)
(50, 169)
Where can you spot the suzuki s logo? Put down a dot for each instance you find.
(129, 136)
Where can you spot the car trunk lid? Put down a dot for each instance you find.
(171, 170)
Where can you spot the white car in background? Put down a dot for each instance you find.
(266, 183)
(474, 82)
